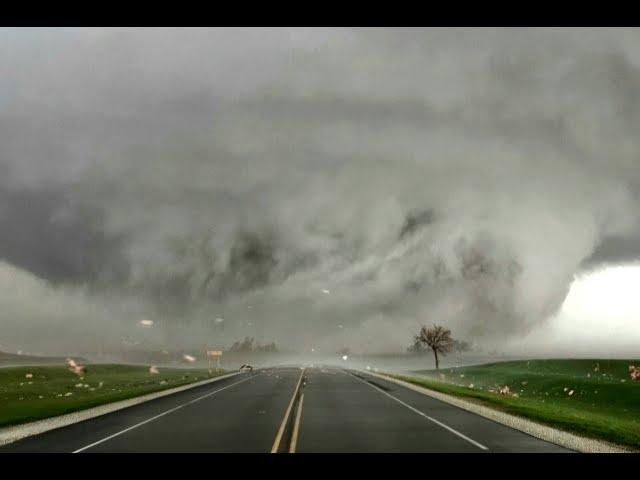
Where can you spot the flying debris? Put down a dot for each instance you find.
(146, 323)
(75, 367)
(345, 357)
(189, 358)
(219, 320)
(153, 369)
(325, 291)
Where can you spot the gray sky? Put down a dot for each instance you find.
(310, 186)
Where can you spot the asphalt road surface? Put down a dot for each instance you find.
(335, 411)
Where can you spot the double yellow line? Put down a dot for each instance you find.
(285, 420)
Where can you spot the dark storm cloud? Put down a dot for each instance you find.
(44, 233)
(299, 180)
(615, 250)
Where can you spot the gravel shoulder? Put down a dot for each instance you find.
(535, 429)
(13, 433)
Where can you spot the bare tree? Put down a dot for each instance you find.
(417, 346)
(245, 346)
(438, 339)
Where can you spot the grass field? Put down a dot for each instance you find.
(54, 390)
(595, 398)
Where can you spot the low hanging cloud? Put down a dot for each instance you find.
(418, 176)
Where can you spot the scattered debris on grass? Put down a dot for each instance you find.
(504, 390)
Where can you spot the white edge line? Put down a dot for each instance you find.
(158, 416)
(18, 432)
(437, 422)
(547, 433)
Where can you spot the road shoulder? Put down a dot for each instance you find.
(543, 432)
(18, 432)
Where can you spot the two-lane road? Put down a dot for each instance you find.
(341, 411)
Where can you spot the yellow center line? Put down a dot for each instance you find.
(296, 426)
(276, 443)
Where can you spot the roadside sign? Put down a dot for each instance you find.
(214, 353)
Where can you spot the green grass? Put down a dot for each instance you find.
(605, 403)
(54, 390)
